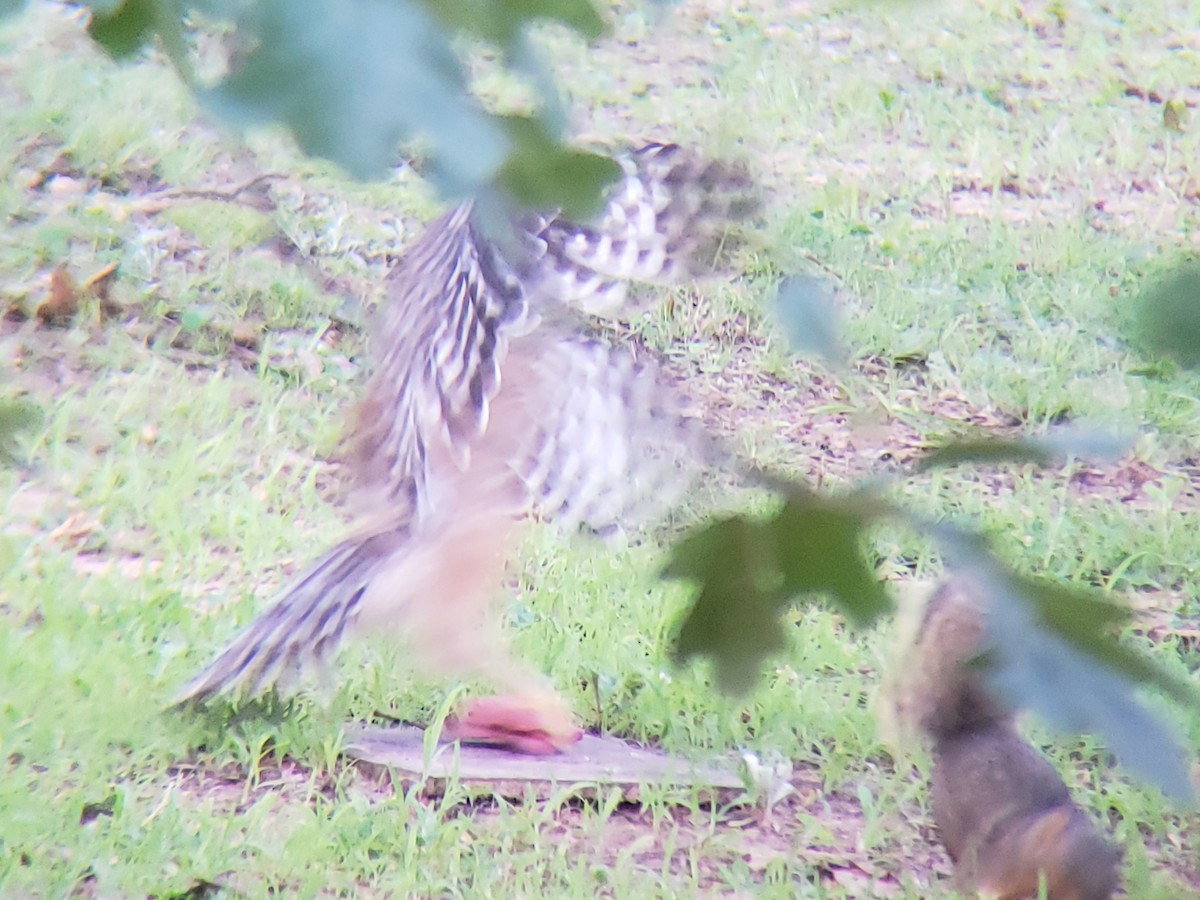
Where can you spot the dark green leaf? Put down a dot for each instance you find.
(542, 174)
(735, 618)
(122, 29)
(807, 309)
(353, 79)
(819, 547)
(1039, 451)
(579, 15)
(986, 450)
(1168, 316)
(748, 572)
(1087, 621)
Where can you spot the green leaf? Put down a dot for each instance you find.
(735, 618)
(1168, 316)
(807, 309)
(819, 545)
(15, 417)
(986, 450)
(502, 23)
(541, 174)
(353, 79)
(1055, 652)
(749, 571)
(1039, 450)
(1087, 621)
(123, 28)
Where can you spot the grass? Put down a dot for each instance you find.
(984, 183)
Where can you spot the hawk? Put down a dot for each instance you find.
(491, 403)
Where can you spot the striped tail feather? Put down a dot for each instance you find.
(305, 625)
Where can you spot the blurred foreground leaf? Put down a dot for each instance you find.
(1055, 652)
(502, 23)
(123, 27)
(355, 79)
(736, 616)
(15, 417)
(806, 307)
(1168, 316)
(748, 571)
(819, 544)
(1037, 450)
(1056, 648)
(541, 174)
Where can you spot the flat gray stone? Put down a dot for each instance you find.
(594, 760)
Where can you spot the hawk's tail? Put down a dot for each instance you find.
(304, 626)
(431, 583)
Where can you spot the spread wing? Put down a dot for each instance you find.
(488, 401)
(456, 302)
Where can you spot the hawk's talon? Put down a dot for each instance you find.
(533, 725)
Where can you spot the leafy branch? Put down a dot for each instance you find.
(1055, 648)
(355, 80)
